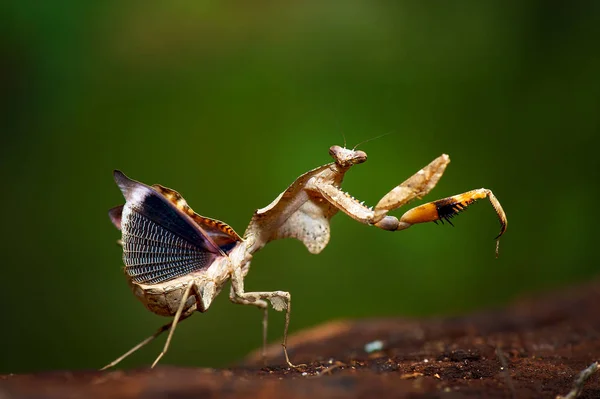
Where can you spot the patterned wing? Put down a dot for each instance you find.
(221, 233)
(159, 241)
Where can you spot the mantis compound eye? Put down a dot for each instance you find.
(334, 151)
(359, 157)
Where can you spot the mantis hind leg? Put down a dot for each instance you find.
(179, 316)
(138, 346)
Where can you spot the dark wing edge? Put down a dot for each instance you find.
(115, 215)
(154, 206)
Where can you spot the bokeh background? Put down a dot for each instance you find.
(229, 102)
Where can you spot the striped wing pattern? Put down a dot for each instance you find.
(153, 254)
(160, 241)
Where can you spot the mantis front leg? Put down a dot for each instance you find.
(417, 186)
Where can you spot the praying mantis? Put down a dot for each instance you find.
(177, 261)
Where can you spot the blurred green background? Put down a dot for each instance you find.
(229, 102)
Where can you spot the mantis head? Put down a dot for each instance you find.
(345, 157)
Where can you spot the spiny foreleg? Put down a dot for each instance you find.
(416, 186)
(447, 208)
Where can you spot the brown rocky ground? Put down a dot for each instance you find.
(534, 348)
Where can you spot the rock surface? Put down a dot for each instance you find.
(534, 348)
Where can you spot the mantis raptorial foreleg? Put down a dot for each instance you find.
(418, 185)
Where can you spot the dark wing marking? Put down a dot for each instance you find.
(222, 234)
(158, 209)
(115, 215)
(159, 241)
